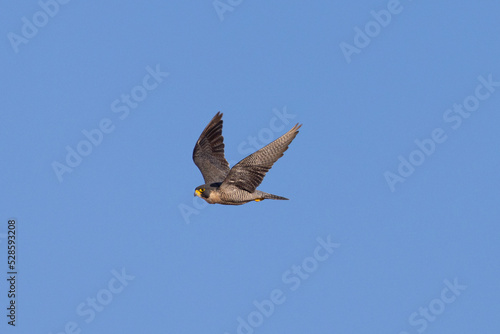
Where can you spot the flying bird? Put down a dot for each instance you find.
(236, 185)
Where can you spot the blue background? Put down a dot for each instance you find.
(129, 206)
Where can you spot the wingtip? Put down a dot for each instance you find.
(296, 127)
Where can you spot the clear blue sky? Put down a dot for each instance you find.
(393, 220)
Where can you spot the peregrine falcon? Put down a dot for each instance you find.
(237, 185)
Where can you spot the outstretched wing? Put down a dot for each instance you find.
(249, 172)
(208, 153)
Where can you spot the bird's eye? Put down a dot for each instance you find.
(202, 190)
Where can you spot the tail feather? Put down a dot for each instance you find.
(271, 196)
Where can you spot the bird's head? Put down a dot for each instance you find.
(203, 191)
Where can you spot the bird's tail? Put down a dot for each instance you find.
(270, 196)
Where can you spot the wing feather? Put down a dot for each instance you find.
(208, 153)
(249, 172)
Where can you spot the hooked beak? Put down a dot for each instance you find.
(197, 193)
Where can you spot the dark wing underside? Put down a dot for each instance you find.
(249, 172)
(208, 153)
